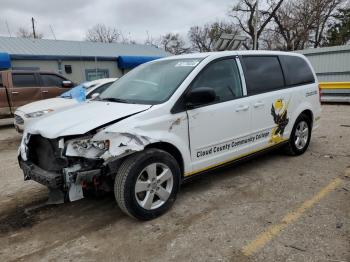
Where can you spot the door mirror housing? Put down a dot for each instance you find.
(200, 96)
(67, 83)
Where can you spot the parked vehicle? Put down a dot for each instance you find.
(18, 88)
(171, 119)
(25, 114)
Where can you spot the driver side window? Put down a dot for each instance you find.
(223, 76)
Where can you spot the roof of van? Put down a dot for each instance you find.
(230, 53)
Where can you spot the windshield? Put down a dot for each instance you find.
(151, 83)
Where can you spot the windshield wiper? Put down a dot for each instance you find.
(112, 99)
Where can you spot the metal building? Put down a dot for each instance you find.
(77, 60)
(332, 66)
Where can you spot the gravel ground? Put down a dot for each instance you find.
(213, 219)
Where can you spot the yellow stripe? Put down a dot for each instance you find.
(230, 160)
(291, 217)
(335, 85)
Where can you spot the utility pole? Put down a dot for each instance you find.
(256, 25)
(8, 28)
(33, 26)
(53, 33)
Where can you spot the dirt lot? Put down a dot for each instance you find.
(273, 208)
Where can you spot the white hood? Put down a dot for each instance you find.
(52, 103)
(79, 119)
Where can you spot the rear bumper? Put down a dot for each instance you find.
(46, 178)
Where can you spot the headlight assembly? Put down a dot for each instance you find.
(87, 148)
(38, 113)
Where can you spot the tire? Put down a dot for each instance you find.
(300, 137)
(146, 172)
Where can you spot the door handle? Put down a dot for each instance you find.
(242, 108)
(44, 91)
(15, 92)
(258, 104)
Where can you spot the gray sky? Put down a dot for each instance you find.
(70, 19)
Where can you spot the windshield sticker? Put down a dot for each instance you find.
(191, 63)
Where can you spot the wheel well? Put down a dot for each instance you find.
(172, 150)
(309, 114)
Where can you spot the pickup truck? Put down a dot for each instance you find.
(18, 88)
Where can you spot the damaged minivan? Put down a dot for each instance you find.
(169, 120)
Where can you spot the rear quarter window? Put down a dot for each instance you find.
(262, 74)
(296, 70)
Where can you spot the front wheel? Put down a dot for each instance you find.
(147, 183)
(300, 136)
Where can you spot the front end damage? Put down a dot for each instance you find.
(71, 165)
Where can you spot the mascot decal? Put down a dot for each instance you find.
(279, 114)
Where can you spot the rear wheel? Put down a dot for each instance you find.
(300, 136)
(147, 183)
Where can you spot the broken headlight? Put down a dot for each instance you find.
(87, 148)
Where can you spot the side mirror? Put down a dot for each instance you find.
(67, 83)
(200, 96)
(93, 96)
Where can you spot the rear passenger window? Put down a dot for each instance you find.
(262, 74)
(51, 80)
(24, 80)
(296, 70)
(223, 77)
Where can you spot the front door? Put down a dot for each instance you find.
(219, 131)
(52, 85)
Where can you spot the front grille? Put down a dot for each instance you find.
(19, 120)
(45, 153)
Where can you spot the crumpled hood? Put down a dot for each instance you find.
(79, 119)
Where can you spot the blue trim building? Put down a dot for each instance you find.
(77, 60)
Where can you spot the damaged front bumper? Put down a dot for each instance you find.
(70, 165)
(46, 178)
(69, 182)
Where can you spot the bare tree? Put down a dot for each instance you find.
(103, 33)
(126, 39)
(24, 33)
(323, 10)
(174, 44)
(294, 24)
(302, 23)
(244, 14)
(204, 38)
(150, 40)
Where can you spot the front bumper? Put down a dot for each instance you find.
(46, 178)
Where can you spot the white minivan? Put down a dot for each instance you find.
(169, 120)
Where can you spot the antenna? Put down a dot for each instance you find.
(54, 36)
(8, 28)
